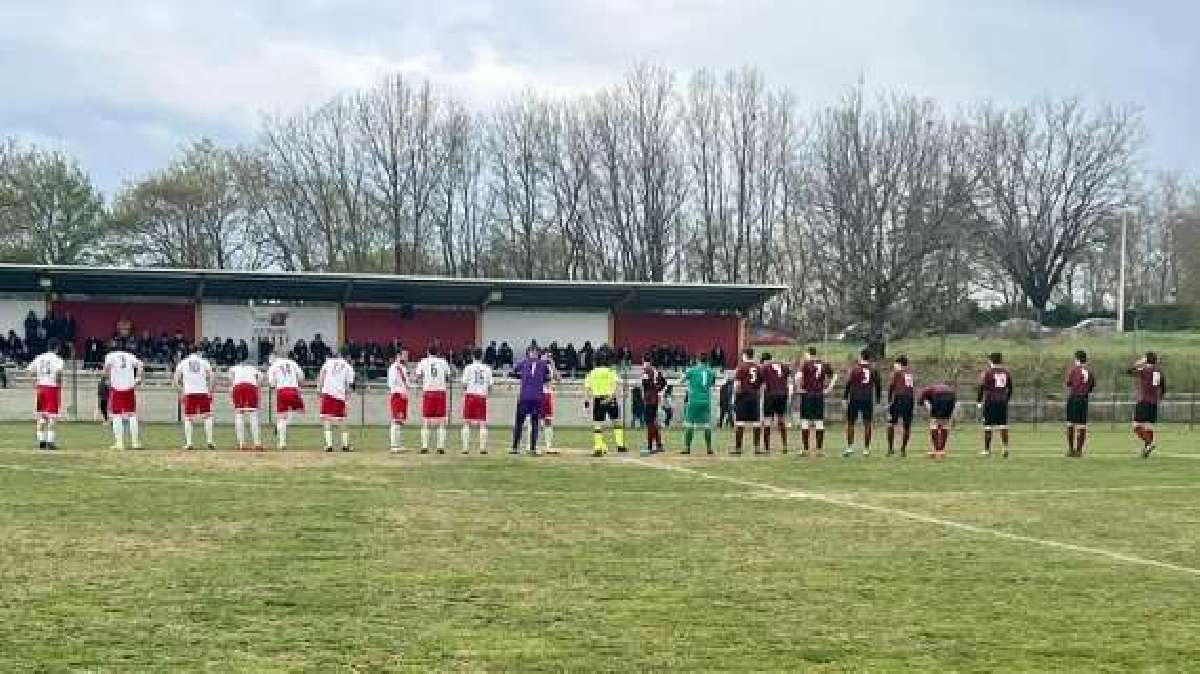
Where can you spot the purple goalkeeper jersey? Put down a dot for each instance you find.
(534, 374)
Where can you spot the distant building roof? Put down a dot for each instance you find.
(205, 284)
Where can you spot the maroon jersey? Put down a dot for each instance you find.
(902, 384)
(862, 383)
(995, 386)
(1152, 385)
(1080, 381)
(748, 378)
(775, 378)
(650, 385)
(813, 377)
(936, 391)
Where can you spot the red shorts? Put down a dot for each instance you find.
(194, 405)
(245, 397)
(547, 412)
(48, 401)
(475, 408)
(398, 402)
(332, 408)
(288, 400)
(122, 403)
(433, 405)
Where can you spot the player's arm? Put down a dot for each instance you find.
(833, 379)
(846, 387)
(1162, 385)
(137, 373)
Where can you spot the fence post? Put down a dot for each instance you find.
(75, 388)
(1192, 404)
(1112, 421)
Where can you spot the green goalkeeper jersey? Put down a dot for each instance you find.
(700, 380)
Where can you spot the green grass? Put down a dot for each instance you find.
(165, 560)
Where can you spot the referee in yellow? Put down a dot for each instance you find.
(601, 386)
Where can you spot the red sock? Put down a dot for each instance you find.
(943, 438)
(1140, 432)
(1149, 436)
(868, 430)
(783, 434)
(935, 437)
(1080, 439)
(804, 435)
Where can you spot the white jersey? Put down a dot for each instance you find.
(46, 367)
(122, 368)
(336, 377)
(434, 372)
(284, 373)
(244, 374)
(398, 378)
(195, 375)
(477, 378)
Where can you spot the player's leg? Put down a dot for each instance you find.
(535, 425)
(548, 435)
(282, 419)
(893, 418)
(135, 438)
(868, 418)
(519, 426)
(345, 429)
(1081, 428)
(51, 439)
(440, 427)
(465, 436)
(906, 432)
(39, 424)
(851, 420)
(239, 428)
(483, 438)
(189, 430)
(614, 419)
(118, 430)
(987, 430)
(396, 436)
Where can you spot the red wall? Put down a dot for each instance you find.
(381, 325)
(695, 333)
(99, 319)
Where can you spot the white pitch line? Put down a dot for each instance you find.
(927, 519)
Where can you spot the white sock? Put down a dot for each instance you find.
(118, 431)
(466, 437)
(328, 434)
(208, 429)
(239, 428)
(549, 433)
(396, 436)
(483, 433)
(41, 434)
(441, 437)
(50, 431)
(281, 425)
(187, 432)
(255, 429)
(345, 437)
(424, 436)
(133, 431)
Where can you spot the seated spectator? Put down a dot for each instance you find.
(587, 357)
(506, 355)
(300, 354)
(242, 354)
(491, 355)
(31, 326)
(228, 353)
(317, 350)
(265, 347)
(571, 359)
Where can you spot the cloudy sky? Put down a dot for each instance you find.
(123, 84)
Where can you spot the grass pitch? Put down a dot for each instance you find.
(163, 560)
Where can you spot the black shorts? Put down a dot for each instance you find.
(941, 407)
(745, 408)
(900, 411)
(1077, 410)
(650, 416)
(775, 405)
(857, 408)
(605, 409)
(812, 407)
(1145, 413)
(995, 413)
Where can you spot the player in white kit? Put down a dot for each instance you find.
(334, 381)
(195, 379)
(433, 373)
(285, 377)
(47, 369)
(477, 382)
(124, 373)
(244, 380)
(397, 378)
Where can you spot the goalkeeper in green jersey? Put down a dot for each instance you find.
(601, 387)
(697, 411)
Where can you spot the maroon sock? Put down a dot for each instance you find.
(738, 433)
(1070, 438)
(849, 435)
(1080, 439)
(868, 430)
(904, 439)
(804, 435)
(783, 434)
(891, 437)
(987, 440)
(820, 439)
(1004, 436)
(935, 438)
(757, 437)
(766, 433)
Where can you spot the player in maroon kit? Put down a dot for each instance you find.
(939, 399)
(814, 379)
(1152, 387)
(900, 405)
(862, 390)
(1080, 383)
(653, 383)
(776, 378)
(995, 390)
(747, 384)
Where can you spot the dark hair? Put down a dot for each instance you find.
(1151, 357)
(478, 354)
(432, 350)
(812, 350)
(765, 356)
(865, 354)
(996, 357)
(748, 352)
(344, 350)
(902, 359)
(1081, 356)
(703, 359)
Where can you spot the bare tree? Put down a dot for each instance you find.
(1052, 172)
